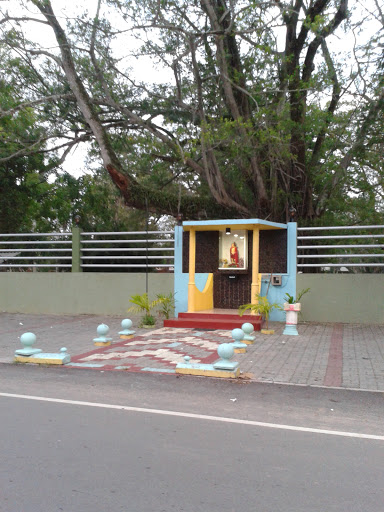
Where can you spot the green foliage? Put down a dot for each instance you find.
(262, 307)
(292, 300)
(144, 306)
(148, 321)
(142, 303)
(239, 127)
(167, 304)
(23, 179)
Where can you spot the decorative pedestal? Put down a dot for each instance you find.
(226, 351)
(248, 329)
(102, 340)
(291, 312)
(36, 355)
(238, 346)
(46, 358)
(223, 368)
(126, 333)
(28, 339)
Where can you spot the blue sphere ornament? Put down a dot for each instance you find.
(247, 328)
(238, 334)
(226, 350)
(28, 339)
(102, 330)
(126, 323)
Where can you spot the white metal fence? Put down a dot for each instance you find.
(28, 251)
(96, 251)
(340, 248)
(128, 249)
(319, 249)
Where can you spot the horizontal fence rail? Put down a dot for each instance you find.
(319, 249)
(30, 251)
(337, 254)
(95, 251)
(128, 249)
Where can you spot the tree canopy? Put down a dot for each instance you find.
(254, 107)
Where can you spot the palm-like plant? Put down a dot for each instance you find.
(263, 307)
(290, 299)
(143, 305)
(167, 304)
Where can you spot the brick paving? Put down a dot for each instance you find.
(335, 355)
(158, 350)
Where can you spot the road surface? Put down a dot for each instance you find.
(87, 441)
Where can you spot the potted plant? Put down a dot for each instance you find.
(167, 304)
(292, 306)
(142, 305)
(263, 307)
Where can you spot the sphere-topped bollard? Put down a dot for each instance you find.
(102, 340)
(248, 330)
(238, 345)
(225, 352)
(223, 368)
(36, 355)
(126, 333)
(28, 339)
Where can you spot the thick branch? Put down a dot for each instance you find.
(331, 108)
(375, 109)
(32, 103)
(134, 194)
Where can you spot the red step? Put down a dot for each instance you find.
(224, 316)
(213, 321)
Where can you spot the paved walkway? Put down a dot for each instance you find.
(335, 355)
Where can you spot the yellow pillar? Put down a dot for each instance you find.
(192, 265)
(255, 286)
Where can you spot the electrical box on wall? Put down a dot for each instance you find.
(276, 280)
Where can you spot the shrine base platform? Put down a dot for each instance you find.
(225, 319)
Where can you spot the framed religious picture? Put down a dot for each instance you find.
(233, 250)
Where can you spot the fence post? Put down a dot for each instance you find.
(76, 249)
(292, 256)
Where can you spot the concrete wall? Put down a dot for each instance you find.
(76, 293)
(357, 298)
(353, 298)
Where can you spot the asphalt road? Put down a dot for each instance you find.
(109, 452)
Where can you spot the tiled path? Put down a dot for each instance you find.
(336, 355)
(156, 351)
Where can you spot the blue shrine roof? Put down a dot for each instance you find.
(220, 225)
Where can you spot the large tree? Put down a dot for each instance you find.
(260, 112)
(22, 177)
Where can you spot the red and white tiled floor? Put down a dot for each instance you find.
(156, 351)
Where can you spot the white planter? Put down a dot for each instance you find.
(291, 312)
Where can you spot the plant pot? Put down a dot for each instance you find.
(291, 312)
(267, 331)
